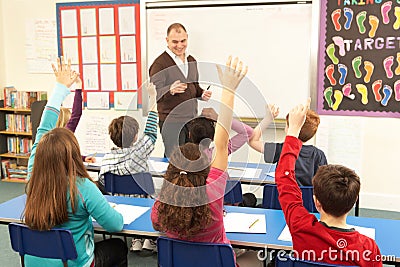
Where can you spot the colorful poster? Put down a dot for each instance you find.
(359, 58)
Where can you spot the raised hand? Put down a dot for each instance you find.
(233, 73)
(272, 110)
(78, 82)
(297, 117)
(63, 72)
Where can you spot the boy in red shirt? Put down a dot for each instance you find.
(336, 189)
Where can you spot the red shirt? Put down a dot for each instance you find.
(312, 240)
(215, 231)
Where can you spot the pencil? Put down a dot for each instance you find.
(251, 225)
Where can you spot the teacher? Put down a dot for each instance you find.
(175, 75)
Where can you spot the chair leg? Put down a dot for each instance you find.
(22, 261)
(65, 264)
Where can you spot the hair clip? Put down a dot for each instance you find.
(182, 172)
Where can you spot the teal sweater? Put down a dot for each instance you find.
(91, 202)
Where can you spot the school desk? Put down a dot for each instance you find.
(386, 231)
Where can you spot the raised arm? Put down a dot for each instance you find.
(255, 141)
(288, 189)
(230, 79)
(65, 77)
(76, 107)
(151, 124)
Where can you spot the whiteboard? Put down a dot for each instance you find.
(274, 40)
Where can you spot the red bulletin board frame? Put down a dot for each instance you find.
(78, 6)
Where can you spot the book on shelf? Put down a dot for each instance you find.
(21, 99)
(10, 169)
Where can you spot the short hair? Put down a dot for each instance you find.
(337, 188)
(63, 117)
(201, 128)
(310, 126)
(175, 26)
(123, 131)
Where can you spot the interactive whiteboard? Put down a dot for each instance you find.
(273, 39)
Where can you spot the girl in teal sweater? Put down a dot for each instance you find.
(60, 193)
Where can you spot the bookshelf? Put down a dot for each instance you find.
(16, 133)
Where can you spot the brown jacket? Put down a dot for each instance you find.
(179, 107)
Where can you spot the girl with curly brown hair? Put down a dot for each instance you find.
(190, 204)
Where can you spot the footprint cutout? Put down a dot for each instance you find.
(338, 40)
(346, 90)
(328, 92)
(387, 93)
(369, 68)
(362, 89)
(360, 21)
(329, 71)
(385, 8)
(338, 96)
(376, 87)
(348, 13)
(330, 50)
(397, 90)
(356, 63)
(397, 70)
(387, 65)
(396, 24)
(374, 22)
(343, 73)
(336, 14)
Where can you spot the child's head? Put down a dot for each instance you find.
(249, 200)
(201, 129)
(63, 118)
(336, 188)
(123, 131)
(310, 126)
(57, 163)
(183, 198)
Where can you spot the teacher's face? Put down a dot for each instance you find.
(177, 41)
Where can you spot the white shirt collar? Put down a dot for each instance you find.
(171, 54)
(183, 66)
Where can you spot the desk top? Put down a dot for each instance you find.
(264, 175)
(386, 235)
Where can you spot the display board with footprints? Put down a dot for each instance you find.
(359, 58)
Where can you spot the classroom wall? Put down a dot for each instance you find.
(378, 146)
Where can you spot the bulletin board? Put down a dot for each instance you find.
(359, 58)
(102, 39)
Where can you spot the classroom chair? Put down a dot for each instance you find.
(179, 253)
(233, 192)
(287, 261)
(270, 197)
(55, 243)
(133, 184)
(37, 108)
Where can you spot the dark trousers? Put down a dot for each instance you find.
(173, 134)
(111, 252)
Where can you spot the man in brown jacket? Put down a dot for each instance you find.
(175, 75)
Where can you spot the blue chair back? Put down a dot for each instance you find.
(54, 244)
(139, 183)
(291, 262)
(233, 192)
(271, 201)
(179, 253)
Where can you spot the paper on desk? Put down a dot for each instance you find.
(272, 174)
(370, 232)
(240, 223)
(129, 212)
(244, 172)
(157, 166)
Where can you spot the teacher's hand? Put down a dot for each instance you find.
(206, 95)
(177, 87)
